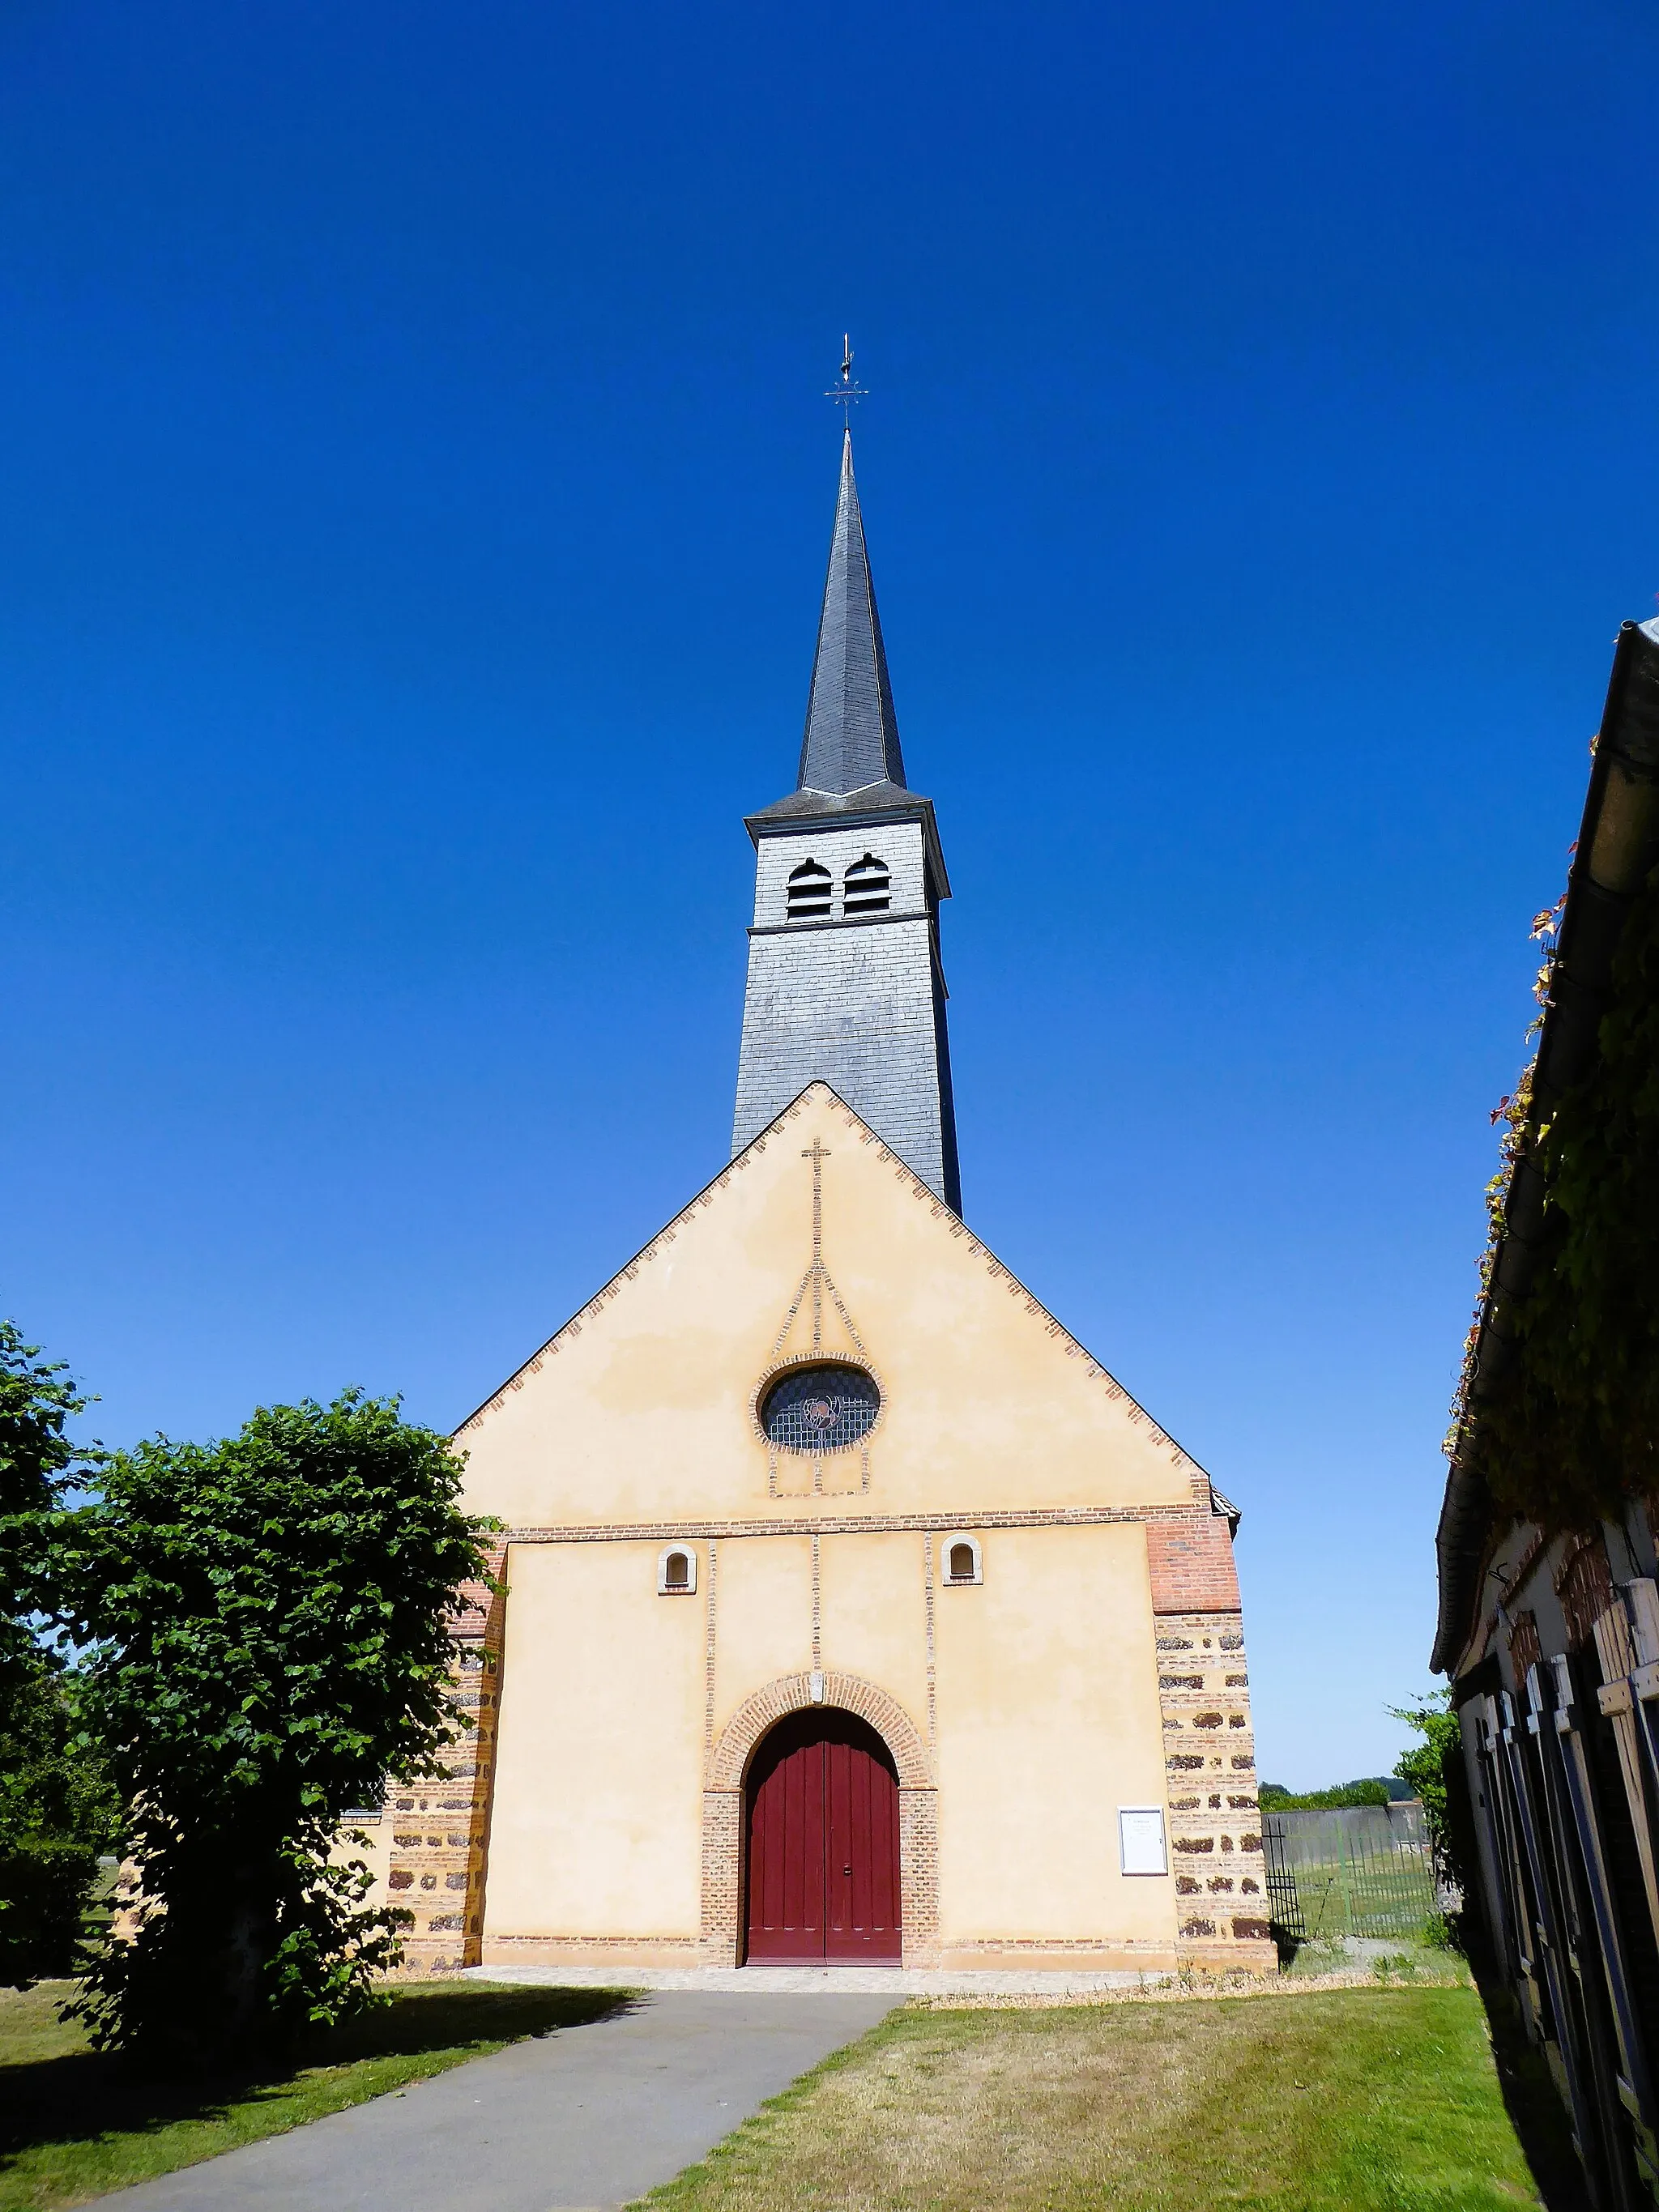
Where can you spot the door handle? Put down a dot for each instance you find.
(848, 1871)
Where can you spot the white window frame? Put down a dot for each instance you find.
(1125, 1812)
(689, 1587)
(947, 1544)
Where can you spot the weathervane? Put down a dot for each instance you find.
(847, 394)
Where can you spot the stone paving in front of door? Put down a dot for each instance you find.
(896, 1983)
(582, 2120)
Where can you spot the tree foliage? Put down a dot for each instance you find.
(1275, 1798)
(1426, 1765)
(37, 1402)
(1572, 1431)
(57, 1812)
(264, 1621)
(58, 1815)
(1434, 1768)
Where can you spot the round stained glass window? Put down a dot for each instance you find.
(820, 1409)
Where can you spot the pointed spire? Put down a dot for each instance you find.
(851, 737)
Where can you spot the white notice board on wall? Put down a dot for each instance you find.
(1141, 1839)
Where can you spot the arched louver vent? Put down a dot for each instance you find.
(809, 892)
(867, 888)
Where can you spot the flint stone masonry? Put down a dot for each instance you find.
(1215, 1824)
(857, 1001)
(433, 1858)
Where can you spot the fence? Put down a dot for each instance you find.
(1363, 1871)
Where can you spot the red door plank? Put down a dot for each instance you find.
(822, 1836)
(786, 1848)
(861, 1919)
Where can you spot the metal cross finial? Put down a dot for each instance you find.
(847, 394)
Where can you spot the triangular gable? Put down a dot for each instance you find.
(643, 1407)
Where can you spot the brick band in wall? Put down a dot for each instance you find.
(791, 1694)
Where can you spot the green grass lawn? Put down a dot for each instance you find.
(74, 2124)
(1382, 2099)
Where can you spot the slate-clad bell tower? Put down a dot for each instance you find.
(845, 980)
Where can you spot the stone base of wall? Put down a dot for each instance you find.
(1257, 1956)
(592, 1951)
(1019, 1954)
(427, 1959)
(1009, 1954)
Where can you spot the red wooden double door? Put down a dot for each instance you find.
(823, 1857)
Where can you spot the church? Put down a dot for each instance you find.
(850, 1611)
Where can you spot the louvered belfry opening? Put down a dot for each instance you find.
(866, 887)
(824, 1844)
(809, 892)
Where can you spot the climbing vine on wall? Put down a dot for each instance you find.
(1572, 1430)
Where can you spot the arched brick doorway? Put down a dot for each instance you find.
(821, 1835)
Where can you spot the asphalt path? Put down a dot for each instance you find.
(580, 2120)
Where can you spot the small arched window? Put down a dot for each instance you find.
(677, 1572)
(867, 887)
(962, 1560)
(808, 891)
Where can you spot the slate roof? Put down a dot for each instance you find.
(851, 737)
(851, 767)
(883, 798)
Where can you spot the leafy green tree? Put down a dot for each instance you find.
(57, 1810)
(37, 1402)
(1433, 1767)
(58, 1815)
(264, 1621)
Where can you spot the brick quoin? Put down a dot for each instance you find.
(1191, 1565)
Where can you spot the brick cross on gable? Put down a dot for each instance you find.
(817, 1152)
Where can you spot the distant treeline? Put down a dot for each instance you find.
(1374, 1789)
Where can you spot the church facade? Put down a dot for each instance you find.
(851, 1611)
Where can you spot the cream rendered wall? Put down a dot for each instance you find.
(639, 1415)
(1049, 1721)
(640, 1411)
(597, 1823)
(874, 1613)
(763, 1617)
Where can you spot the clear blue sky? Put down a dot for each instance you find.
(415, 493)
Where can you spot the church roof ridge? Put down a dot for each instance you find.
(978, 1249)
(851, 740)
